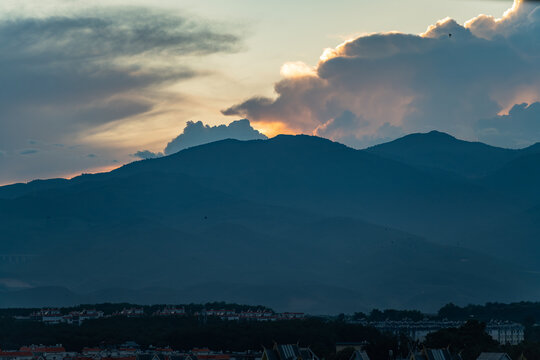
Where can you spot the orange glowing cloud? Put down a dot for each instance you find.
(274, 128)
(378, 85)
(296, 69)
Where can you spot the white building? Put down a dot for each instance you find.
(506, 332)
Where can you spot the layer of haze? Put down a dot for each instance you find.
(88, 84)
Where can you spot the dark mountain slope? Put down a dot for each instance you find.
(328, 258)
(289, 213)
(159, 230)
(20, 189)
(519, 178)
(329, 178)
(440, 151)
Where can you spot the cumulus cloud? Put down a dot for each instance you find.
(147, 154)
(447, 78)
(343, 127)
(66, 76)
(196, 133)
(514, 130)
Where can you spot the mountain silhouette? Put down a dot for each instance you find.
(439, 151)
(295, 222)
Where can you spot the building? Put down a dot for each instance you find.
(291, 316)
(493, 356)
(502, 332)
(207, 354)
(259, 315)
(48, 316)
(171, 311)
(120, 358)
(506, 332)
(43, 352)
(433, 354)
(38, 350)
(78, 317)
(359, 355)
(131, 312)
(288, 352)
(415, 330)
(16, 355)
(55, 316)
(355, 345)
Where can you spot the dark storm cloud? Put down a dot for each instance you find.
(447, 78)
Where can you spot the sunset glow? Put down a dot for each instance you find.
(195, 64)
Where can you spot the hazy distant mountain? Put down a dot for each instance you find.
(287, 222)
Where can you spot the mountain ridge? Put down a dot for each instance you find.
(285, 212)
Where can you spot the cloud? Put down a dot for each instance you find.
(196, 133)
(28, 151)
(514, 130)
(147, 154)
(448, 78)
(106, 49)
(342, 127)
(67, 77)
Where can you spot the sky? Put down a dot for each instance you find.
(90, 85)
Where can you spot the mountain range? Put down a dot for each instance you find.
(294, 222)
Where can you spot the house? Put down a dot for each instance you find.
(43, 352)
(42, 349)
(355, 345)
(433, 354)
(87, 315)
(171, 311)
(359, 355)
(131, 312)
(16, 355)
(48, 316)
(493, 356)
(258, 315)
(291, 316)
(182, 357)
(207, 354)
(152, 357)
(288, 352)
(91, 351)
(120, 358)
(506, 332)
